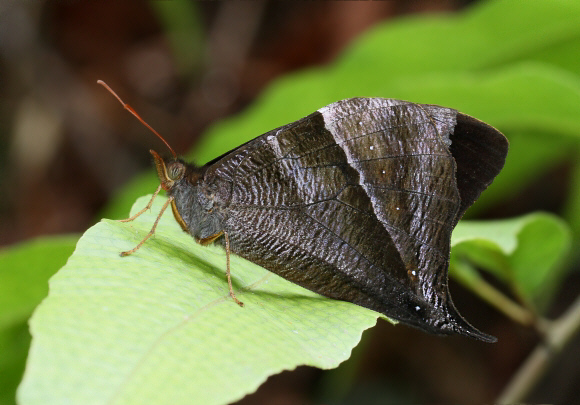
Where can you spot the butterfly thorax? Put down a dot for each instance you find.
(192, 202)
(196, 206)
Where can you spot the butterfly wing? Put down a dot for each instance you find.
(356, 202)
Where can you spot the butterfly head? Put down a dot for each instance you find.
(169, 173)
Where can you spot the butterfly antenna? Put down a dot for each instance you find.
(132, 111)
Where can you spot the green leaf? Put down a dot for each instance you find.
(525, 252)
(572, 210)
(491, 34)
(14, 343)
(530, 155)
(159, 327)
(183, 28)
(125, 198)
(24, 272)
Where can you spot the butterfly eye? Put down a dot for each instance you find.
(175, 171)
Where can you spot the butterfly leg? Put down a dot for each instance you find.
(148, 206)
(241, 304)
(207, 241)
(152, 231)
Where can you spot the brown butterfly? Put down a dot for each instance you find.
(356, 201)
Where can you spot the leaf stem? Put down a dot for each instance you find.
(469, 277)
(558, 335)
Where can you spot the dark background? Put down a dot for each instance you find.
(67, 147)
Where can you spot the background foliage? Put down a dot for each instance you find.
(108, 323)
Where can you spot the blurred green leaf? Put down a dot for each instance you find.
(121, 203)
(488, 35)
(184, 30)
(24, 272)
(159, 327)
(525, 252)
(572, 210)
(14, 342)
(530, 155)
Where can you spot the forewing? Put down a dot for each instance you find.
(357, 202)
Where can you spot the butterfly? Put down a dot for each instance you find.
(357, 202)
